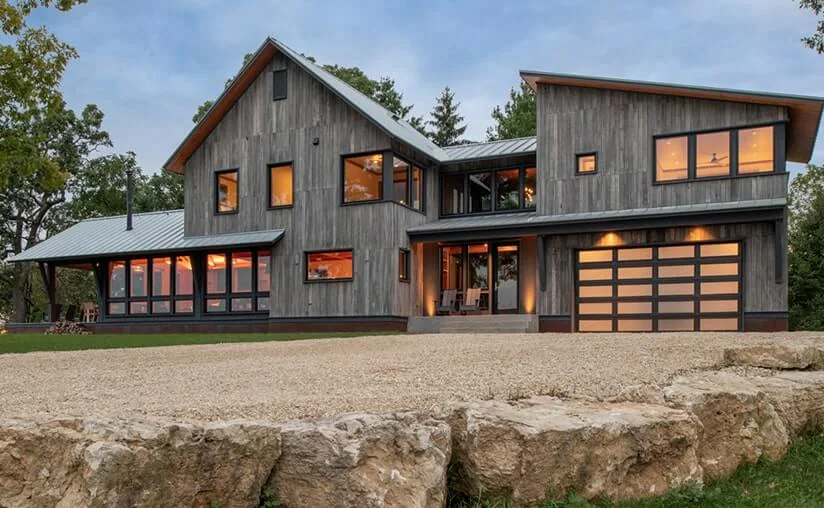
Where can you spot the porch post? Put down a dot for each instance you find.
(100, 272)
(47, 273)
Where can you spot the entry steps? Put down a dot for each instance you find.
(483, 323)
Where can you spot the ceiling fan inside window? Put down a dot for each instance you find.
(717, 161)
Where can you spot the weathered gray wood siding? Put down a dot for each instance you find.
(620, 126)
(257, 132)
(761, 293)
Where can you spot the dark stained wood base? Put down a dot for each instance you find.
(766, 322)
(332, 324)
(555, 324)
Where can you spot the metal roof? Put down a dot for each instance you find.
(533, 220)
(804, 111)
(153, 232)
(491, 149)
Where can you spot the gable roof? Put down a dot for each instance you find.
(804, 111)
(384, 119)
(152, 233)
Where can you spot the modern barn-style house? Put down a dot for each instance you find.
(638, 207)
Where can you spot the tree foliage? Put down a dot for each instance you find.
(806, 251)
(517, 119)
(447, 125)
(816, 40)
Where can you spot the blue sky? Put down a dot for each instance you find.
(149, 64)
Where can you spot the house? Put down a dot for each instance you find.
(637, 207)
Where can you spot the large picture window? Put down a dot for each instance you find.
(363, 178)
(150, 288)
(718, 154)
(329, 266)
(226, 191)
(476, 192)
(233, 281)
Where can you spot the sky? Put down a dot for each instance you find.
(149, 64)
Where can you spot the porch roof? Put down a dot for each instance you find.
(509, 224)
(153, 232)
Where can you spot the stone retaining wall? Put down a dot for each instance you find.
(651, 439)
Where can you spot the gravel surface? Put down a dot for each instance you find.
(284, 380)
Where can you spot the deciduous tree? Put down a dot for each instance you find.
(806, 253)
(816, 40)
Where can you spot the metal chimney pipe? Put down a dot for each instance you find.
(129, 184)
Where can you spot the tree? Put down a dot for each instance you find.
(806, 252)
(517, 119)
(207, 105)
(32, 63)
(816, 40)
(446, 121)
(60, 141)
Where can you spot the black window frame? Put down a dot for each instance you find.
(779, 153)
(581, 155)
(387, 181)
(522, 168)
(150, 298)
(269, 168)
(227, 296)
(307, 253)
(404, 264)
(216, 192)
(276, 75)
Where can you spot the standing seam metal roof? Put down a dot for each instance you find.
(152, 232)
(504, 147)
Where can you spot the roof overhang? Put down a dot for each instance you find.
(529, 224)
(804, 111)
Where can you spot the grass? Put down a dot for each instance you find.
(796, 481)
(28, 342)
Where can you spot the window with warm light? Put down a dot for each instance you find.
(587, 163)
(157, 286)
(226, 191)
(363, 178)
(719, 154)
(281, 187)
(329, 266)
(671, 159)
(755, 150)
(238, 281)
(488, 191)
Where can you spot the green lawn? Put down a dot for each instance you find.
(25, 343)
(797, 481)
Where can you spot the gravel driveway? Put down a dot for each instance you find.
(282, 380)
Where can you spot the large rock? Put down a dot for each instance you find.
(544, 447)
(798, 397)
(739, 423)
(364, 461)
(75, 462)
(775, 356)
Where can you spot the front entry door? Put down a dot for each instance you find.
(505, 271)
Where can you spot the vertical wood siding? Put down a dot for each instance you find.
(257, 132)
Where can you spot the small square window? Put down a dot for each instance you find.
(280, 186)
(587, 163)
(226, 191)
(403, 265)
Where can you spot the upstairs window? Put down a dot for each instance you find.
(363, 178)
(718, 154)
(490, 191)
(407, 181)
(586, 163)
(280, 186)
(226, 191)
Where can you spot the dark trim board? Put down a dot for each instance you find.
(555, 324)
(766, 322)
(275, 325)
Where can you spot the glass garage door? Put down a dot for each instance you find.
(663, 288)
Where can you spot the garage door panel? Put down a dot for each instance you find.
(665, 288)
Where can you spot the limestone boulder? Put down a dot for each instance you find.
(364, 461)
(798, 397)
(739, 422)
(76, 462)
(543, 447)
(775, 356)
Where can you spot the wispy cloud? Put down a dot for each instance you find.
(149, 64)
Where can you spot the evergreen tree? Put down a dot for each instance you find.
(517, 119)
(447, 124)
